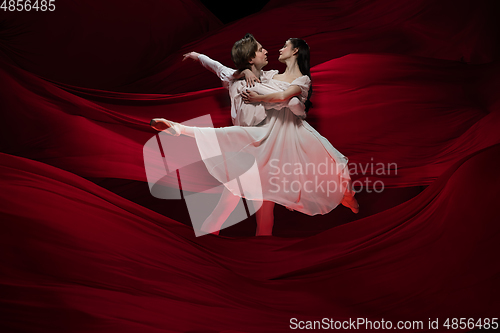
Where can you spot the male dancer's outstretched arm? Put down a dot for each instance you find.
(224, 73)
(228, 75)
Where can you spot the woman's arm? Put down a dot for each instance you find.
(297, 107)
(253, 97)
(293, 103)
(250, 77)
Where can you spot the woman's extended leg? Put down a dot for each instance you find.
(265, 219)
(227, 203)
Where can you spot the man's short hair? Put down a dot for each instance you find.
(243, 51)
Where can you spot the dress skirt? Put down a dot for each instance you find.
(283, 160)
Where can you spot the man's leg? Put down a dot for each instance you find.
(265, 219)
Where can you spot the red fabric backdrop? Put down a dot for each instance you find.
(87, 248)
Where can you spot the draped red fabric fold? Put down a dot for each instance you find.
(410, 88)
(83, 258)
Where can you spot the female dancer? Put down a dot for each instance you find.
(298, 167)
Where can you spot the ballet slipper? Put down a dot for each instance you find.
(162, 124)
(351, 202)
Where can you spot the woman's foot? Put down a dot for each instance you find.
(351, 202)
(160, 124)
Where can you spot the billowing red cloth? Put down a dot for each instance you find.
(77, 257)
(101, 44)
(85, 247)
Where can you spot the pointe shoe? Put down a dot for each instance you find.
(352, 203)
(160, 124)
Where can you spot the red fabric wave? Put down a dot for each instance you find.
(421, 114)
(87, 248)
(83, 258)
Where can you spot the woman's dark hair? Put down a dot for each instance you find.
(303, 60)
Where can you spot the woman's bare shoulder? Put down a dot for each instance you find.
(287, 79)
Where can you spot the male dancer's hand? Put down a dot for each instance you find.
(191, 55)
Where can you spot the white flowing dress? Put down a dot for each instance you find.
(282, 159)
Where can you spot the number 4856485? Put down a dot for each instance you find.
(470, 323)
(28, 5)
